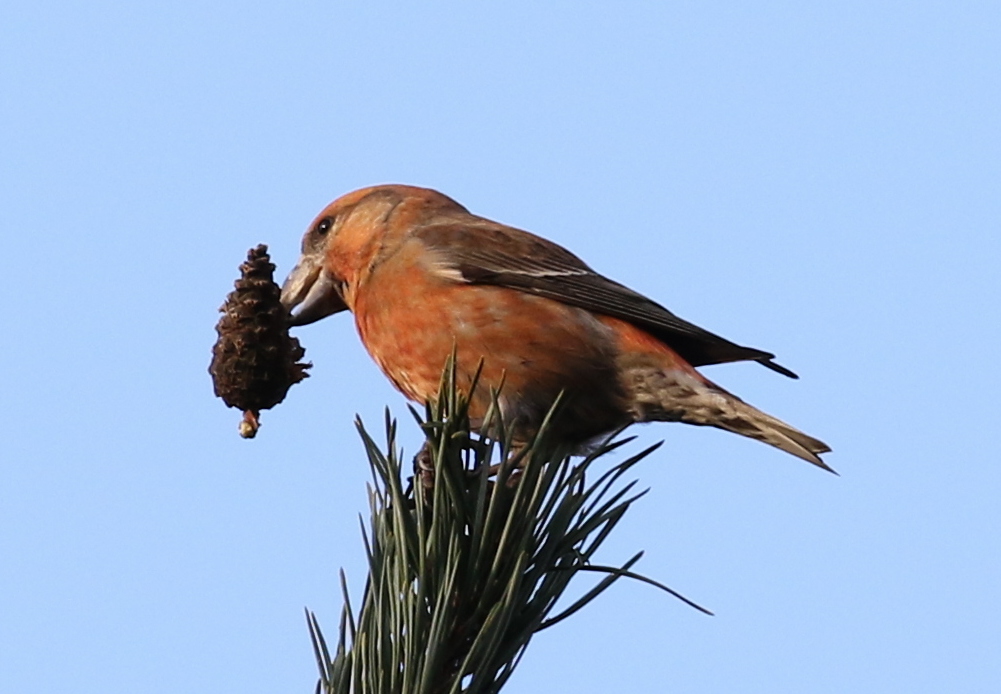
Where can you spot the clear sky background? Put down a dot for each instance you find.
(822, 180)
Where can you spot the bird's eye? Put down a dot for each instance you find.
(323, 226)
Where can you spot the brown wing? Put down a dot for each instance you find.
(485, 252)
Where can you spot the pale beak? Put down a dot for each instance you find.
(312, 290)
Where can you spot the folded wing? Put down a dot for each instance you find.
(485, 252)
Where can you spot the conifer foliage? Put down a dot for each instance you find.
(464, 571)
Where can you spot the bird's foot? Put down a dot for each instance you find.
(424, 467)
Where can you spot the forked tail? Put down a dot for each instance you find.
(740, 418)
(692, 399)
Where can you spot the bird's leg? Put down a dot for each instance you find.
(513, 460)
(424, 472)
(424, 467)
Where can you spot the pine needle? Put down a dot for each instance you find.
(463, 574)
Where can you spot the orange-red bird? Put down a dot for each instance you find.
(423, 276)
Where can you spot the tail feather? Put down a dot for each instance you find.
(743, 419)
(690, 398)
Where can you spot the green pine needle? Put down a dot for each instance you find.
(464, 573)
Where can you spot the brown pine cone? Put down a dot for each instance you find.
(255, 360)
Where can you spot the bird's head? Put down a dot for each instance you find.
(344, 242)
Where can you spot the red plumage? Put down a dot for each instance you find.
(423, 277)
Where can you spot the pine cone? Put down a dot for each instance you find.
(255, 360)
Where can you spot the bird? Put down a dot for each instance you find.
(426, 279)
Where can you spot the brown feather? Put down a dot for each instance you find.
(486, 252)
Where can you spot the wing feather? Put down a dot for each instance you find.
(485, 252)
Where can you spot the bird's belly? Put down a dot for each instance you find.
(531, 349)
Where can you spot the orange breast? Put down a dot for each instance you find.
(411, 319)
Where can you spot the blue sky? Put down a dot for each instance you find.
(817, 179)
